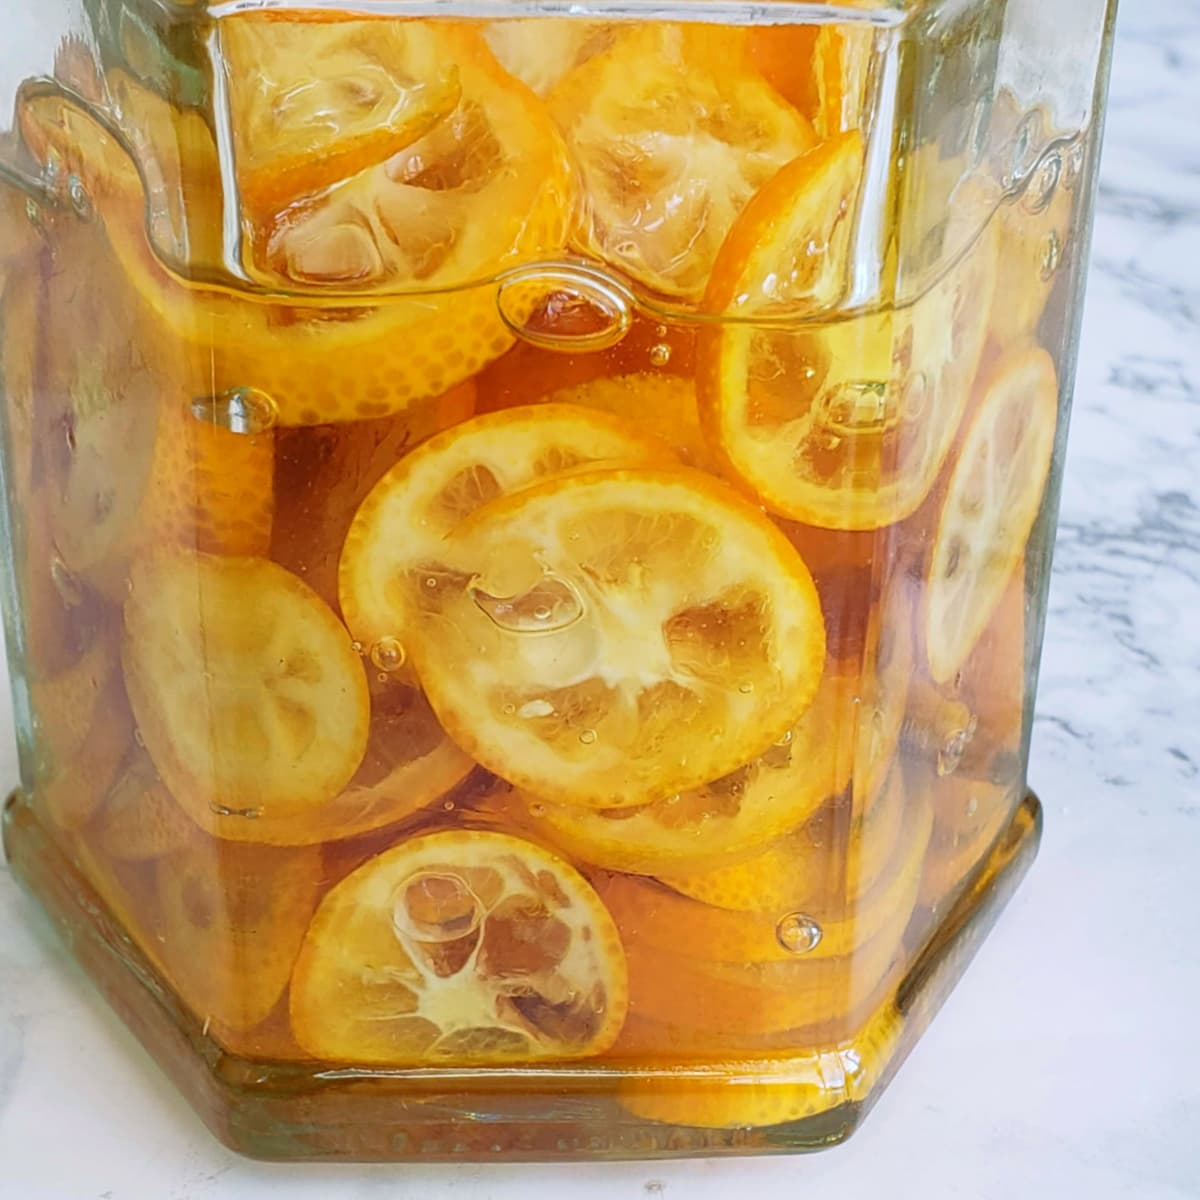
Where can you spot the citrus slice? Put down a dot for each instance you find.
(785, 1088)
(672, 131)
(246, 690)
(456, 948)
(139, 819)
(612, 637)
(71, 791)
(844, 425)
(381, 86)
(791, 873)
(721, 821)
(851, 911)
(324, 472)
(231, 919)
(539, 51)
(486, 188)
(397, 535)
(65, 704)
(992, 500)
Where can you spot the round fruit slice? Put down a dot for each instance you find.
(395, 543)
(791, 874)
(673, 131)
(65, 705)
(247, 692)
(845, 425)
(992, 500)
(539, 51)
(851, 912)
(459, 948)
(485, 189)
(787, 1087)
(231, 920)
(720, 821)
(139, 819)
(613, 637)
(380, 88)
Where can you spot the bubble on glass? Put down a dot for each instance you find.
(388, 654)
(532, 709)
(660, 354)
(798, 933)
(745, 688)
(237, 410)
(588, 737)
(565, 307)
(1041, 188)
(1051, 255)
(81, 202)
(357, 646)
(550, 606)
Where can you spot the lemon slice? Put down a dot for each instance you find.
(457, 948)
(396, 538)
(721, 821)
(673, 131)
(296, 130)
(792, 873)
(612, 637)
(847, 424)
(992, 500)
(852, 910)
(139, 819)
(246, 690)
(539, 51)
(230, 920)
(797, 1083)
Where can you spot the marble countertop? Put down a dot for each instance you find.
(1067, 1062)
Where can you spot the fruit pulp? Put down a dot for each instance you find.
(516, 610)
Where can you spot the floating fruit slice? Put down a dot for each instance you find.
(72, 790)
(672, 131)
(324, 472)
(488, 187)
(539, 51)
(381, 87)
(232, 919)
(720, 821)
(788, 1087)
(64, 705)
(992, 500)
(246, 690)
(612, 637)
(397, 536)
(458, 948)
(139, 819)
(851, 911)
(831, 850)
(848, 424)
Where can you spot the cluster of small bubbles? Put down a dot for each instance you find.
(587, 736)
(660, 354)
(237, 410)
(388, 654)
(798, 933)
(81, 202)
(1051, 255)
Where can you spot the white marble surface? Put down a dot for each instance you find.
(1067, 1063)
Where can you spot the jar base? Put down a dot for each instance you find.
(290, 1111)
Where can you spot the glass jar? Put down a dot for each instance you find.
(529, 530)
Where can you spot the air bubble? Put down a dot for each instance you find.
(745, 688)
(357, 647)
(447, 805)
(509, 709)
(388, 654)
(550, 606)
(537, 810)
(660, 354)
(237, 410)
(1051, 255)
(588, 737)
(81, 202)
(798, 933)
(535, 708)
(560, 306)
